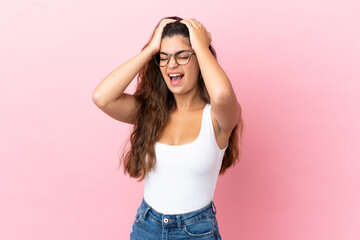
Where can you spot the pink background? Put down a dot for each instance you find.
(294, 66)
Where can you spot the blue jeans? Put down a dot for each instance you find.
(152, 225)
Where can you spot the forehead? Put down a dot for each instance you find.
(174, 43)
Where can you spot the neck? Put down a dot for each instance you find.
(189, 101)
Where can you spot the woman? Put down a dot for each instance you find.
(186, 120)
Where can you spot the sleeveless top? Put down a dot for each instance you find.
(185, 176)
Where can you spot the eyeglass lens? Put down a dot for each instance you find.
(182, 57)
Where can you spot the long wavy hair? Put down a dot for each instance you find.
(155, 101)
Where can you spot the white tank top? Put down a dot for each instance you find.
(185, 176)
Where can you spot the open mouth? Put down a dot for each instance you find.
(175, 78)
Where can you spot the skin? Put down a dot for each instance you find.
(184, 123)
(187, 92)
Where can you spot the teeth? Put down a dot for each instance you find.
(174, 75)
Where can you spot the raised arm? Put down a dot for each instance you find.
(109, 95)
(224, 104)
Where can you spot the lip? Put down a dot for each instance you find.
(175, 73)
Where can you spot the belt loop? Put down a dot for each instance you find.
(145, 212)
(213, 206)
(179, 221)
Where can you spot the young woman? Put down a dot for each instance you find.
(186, 122)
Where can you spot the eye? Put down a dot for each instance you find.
(163, 57)
(183, 55)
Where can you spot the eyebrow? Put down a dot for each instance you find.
(182, 50)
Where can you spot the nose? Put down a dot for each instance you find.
(172, 61)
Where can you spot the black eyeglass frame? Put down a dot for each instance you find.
(173, 54)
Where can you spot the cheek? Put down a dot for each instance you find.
(194, 72)
(163, 73)
(194, 68)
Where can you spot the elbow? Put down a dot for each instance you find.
(221, 96)
(96, 99)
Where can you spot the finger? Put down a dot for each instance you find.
(188, 23)
(165, 21)
(196, 22)
(168, 20)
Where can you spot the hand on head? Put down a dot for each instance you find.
(155, 41)
(199, 37)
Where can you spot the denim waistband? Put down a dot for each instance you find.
(171, 220)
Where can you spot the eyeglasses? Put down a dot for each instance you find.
(181, 57)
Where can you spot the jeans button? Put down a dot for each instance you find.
(166, 220)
